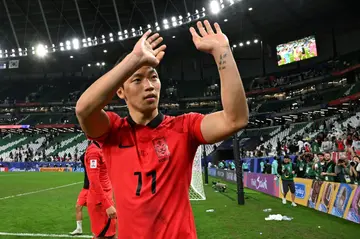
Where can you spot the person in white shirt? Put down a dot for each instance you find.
(300, 144)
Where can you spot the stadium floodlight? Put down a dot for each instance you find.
(67, 43)
(89, 65)
(157, 28)
(20, 54)
(173, 37)
(1, 56)
(61, 44)
(71, 57)
(84, 40)
(234, 46)
(105, 51)
(132, 29)
(173, 19)
(76, 43)
(165, 21)
(68, 47)
(20, 50)
(256, 41)
(40, 50)
(166, 26)
(0, 51)
(231, 2)
(90, 44)
(89, 39)
(174, 24)
(197, 16)
(98, 64)
(6, 51)
(62, 48)
(12, 50)
(250, 8)
(225, 20)
(103, 64)
(85, 45)
(241, 44)
(248, 42)
(148, 26)
(180, 17)
(111, 39)
(110, 34)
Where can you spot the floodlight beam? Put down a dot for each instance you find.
(45, 21)
(80, 18)
(11, 24)
(117, 16)
(154, 10)
(185, 6)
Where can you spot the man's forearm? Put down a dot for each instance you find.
(232, 90)
(101, 92)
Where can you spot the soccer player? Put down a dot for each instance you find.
(81, 202)
(149, 155)
(102, 213)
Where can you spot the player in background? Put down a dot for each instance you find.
(102, 213)
(149, 155)
(81, 201)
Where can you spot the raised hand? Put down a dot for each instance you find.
(208, 41)
(147, 50)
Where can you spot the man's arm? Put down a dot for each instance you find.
(89, 108)
(93, 171)
(234, 116)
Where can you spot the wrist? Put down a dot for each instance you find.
(217, 51)
(135, 60)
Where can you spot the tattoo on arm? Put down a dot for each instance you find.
(222, 63)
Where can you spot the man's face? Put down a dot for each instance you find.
(321, 157)
(286, 160)
(142, 90)
(327, 157)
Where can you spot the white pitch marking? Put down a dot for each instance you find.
(39, 191)
(42, 235)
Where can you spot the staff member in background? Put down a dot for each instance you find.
(287, 171)
(329, 169)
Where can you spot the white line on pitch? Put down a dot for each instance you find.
(39, 191)
(41, 235)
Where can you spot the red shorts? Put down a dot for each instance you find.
(82, 198)
(101, 224)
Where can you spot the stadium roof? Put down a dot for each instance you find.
(26, 23)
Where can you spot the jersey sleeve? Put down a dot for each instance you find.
(193, 121)
(113, 117)
(93, 160)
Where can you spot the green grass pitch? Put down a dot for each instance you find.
(51, 211)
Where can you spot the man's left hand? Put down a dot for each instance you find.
(208, 41)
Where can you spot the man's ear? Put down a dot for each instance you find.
(120, 93)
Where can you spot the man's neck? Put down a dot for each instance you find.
(143, 118)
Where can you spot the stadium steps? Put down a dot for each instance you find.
(279, 136)
(13, 145)
(80, 144)
(353, 121)
(7, 142)
(64, 141)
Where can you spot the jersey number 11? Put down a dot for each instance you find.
(153, 182)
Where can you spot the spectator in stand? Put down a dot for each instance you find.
(262, 166)
(267, 168)
(300, 144)
(245, 166)
(309, 166)
(357, 167)
(319, 167)
(300, 166)
(274, 165)
(355, 146)
(342, 172)
(353, 173)
(329, 169)
(340, 145)
(327, 146)
(348, 143)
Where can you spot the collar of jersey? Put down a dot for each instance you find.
(152, 124)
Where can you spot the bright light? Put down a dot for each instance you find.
(173, 37)
(68, 43)
(241, 44)
(103, 64)
(157, 28)
(248, 42)
(105, 51)
(62, 48)
(250, 8)
(234, 46)
(256, 41)
(166, 26)
(89, 65)
(132, 29)
(40, 50)
(20, 53)
(165, 21)
(173, 19)
(148, 26)
(89, 39)
(12, 50)
(20, 49)
(98, 64)
(76, 43)
(68, 47)
(84, 40)
(110, 35)
(231, 2)
(71, 57)
(180, 17)
(225, 20)
(111, 39)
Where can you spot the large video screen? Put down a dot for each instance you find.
(296, 50)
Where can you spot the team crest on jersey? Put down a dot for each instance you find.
(93, 163)
(162, 149)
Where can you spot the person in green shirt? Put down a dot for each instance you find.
(315, 147)
(287, 171)
(329, 169)
(221, 165)
(309, 167)
(319, 167)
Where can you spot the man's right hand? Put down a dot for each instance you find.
(147, 50)
(111, 212)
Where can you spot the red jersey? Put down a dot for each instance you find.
(98, 177)
(150, 168)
